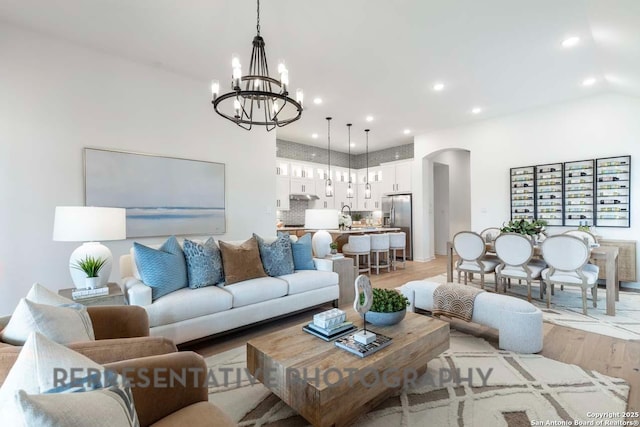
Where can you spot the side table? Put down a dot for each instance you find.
(115, 296)
(347, 272)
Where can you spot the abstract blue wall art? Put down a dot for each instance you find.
(163, 195)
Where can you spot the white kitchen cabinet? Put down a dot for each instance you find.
(372, 204)
(302, 186)
(396, 177)
(282, 193)
(303, 171)
(282, 168)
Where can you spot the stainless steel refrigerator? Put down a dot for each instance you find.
(396, 212)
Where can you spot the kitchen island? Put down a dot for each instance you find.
(340, 236)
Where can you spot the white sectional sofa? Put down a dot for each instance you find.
(189, 314)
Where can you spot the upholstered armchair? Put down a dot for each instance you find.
(173, 403)
(121, 332)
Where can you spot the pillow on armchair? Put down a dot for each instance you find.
(44, 366)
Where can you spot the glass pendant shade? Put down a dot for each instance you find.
(328, 188)
(367, 191)
(349, 190)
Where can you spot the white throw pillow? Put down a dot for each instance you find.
(42, 295)
(44, 366)
(98, 408)
(62, 324)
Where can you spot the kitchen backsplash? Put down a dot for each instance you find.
(308, 153)
(295, 214)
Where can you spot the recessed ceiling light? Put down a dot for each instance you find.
(570, 42)
(317, 100)
(438, 87)
(476, 110)
(406, 131)
(589, 81)
(314, 135)
(369, 118)
(353, 144)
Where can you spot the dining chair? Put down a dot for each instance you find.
(585, 235)
(489, 234)
(515, 252)
(567, 258)
(471, 250)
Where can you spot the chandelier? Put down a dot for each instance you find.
(256, 98)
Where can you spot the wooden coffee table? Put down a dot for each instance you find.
(329, 386)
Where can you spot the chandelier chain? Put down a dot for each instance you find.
(258, 20)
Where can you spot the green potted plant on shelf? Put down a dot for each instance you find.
(334, 248)
(91, 266)
(388, 308)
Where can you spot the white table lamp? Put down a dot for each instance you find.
(321, 220)
(90, 225)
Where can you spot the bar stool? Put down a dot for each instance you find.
(398, 242)
(359, 246)
(380, 245)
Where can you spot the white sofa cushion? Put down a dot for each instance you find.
(257, 290)
(307, 280)
(187, 303)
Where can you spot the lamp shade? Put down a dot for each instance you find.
(321, 219)
(89, 224)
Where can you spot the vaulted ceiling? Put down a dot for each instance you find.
(371, 57)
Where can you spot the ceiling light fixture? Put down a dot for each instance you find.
(328, 185)
(406, 131)
(264, 96)
(570, 42)
(438, 87)
(317, 101)
(314, 135)
(367, 186)
(589, 82)
(349, 185)
(369, 118)
(476, 110)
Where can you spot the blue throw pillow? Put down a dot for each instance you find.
(204, 263)
(164, 269)
(277, 258)
(302, 253)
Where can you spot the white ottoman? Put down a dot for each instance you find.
(518, 322)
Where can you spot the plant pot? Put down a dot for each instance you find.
(92, 282)
(334, 251)
(385, 319)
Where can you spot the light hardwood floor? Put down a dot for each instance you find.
(607, 355)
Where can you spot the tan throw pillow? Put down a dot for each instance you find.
(241, 262)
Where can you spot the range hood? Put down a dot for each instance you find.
(303, 197)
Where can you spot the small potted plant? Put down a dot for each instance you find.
(389, 307)
(91, 266)
(334, 248)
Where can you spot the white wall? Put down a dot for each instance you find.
(599, 126)
(58, 98)
(441, 225)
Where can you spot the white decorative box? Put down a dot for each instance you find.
(329, 319)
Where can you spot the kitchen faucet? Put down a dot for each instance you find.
(342, 212)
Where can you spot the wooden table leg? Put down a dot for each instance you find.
(612, 282)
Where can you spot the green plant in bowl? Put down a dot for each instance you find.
(523, 226)
(388, 308)
(91, 266)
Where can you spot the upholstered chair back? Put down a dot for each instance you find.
(565, 252)
(513, 248)
(469, 245)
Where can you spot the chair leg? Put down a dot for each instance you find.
(465, 277)
(482, 280)
(549, 285)
(458, 276)
(388, 263)
(528, 290)
(594, 295)
(584, 301)
(541, 288)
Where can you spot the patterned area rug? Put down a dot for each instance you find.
(566, 308)
(493, 388)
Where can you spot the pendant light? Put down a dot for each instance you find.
(367, 186)
(349, 185)
(328, 185)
